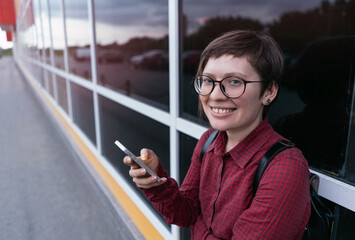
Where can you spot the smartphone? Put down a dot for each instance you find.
(137, 160)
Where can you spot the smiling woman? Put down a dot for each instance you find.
(209, 194)
(136, 91)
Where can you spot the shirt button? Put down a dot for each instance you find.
(225, 156)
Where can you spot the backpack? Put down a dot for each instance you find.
(319, 225)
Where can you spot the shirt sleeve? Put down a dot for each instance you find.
(281, 206)
(179, 206)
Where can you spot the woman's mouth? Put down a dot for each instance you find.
(222, 110)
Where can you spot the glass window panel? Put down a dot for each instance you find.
(28, 29)
(49, 77)
(135, 131)
(37, 73)
(132, 49)
(350, 156)
(57, 24)
(317, 92)
(46, 30)
(315, 114)
(78, 37)
(187, 145)
(62, 93)
(345, 219)
(32, 32)
(38, 22)
(83, 110)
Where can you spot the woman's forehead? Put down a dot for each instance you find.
(229, 65)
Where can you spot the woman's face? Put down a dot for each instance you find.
(236, 116)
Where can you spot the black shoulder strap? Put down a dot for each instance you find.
(275, 149)
(208, 142)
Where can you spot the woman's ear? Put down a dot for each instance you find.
(270, 93)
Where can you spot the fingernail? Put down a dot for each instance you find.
(143, 171)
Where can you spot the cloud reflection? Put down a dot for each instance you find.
(120, 20)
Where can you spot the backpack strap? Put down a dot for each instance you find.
(275, 149)
(208, 142)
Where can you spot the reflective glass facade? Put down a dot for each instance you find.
(132, 49)
(110, 67)
(318, 43)
(58, 38)
(78, 37)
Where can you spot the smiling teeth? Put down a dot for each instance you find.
(221, 110)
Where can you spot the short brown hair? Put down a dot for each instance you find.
(261, 49)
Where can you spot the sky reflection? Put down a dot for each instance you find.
(120, 20)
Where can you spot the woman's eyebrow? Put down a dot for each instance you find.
(228, 74)
(235, 74)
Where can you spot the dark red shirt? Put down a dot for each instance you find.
(216, 197)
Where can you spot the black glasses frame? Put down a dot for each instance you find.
(221, 86)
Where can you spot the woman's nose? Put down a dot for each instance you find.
(217, 92)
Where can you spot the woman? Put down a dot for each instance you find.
(237, 79)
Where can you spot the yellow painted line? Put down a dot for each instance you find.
(142, 223)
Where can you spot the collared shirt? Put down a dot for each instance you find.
(216, 197)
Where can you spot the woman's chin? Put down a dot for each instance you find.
(219, 127)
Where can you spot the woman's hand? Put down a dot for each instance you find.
(140, 176)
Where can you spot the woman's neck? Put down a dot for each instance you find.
(235, 136)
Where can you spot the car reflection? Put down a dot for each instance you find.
(191, 60)
(108, 56)
(82, 54)
(156, 59)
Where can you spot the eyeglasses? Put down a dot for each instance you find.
(231, 87)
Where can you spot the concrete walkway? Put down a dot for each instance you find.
(45, 191)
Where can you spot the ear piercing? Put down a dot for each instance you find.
(268, 102)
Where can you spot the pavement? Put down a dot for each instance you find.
(45, 190)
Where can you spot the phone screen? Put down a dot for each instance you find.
(137, 160)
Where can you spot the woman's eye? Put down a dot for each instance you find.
(235, 82)
(207, 81)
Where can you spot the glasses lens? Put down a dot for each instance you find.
(203, 85)
(233, 87)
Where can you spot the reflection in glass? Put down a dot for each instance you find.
(135, 131)
(322, 77)
(294, 25)
(187, 145)
(46, 30)
(132, 49)
(37, 73)
(57, 25)
(38, 22)
(350, 166)
(83, 110)
(62, 93)
(78, 37)
(28, 34)
(49, 76)
(345, 219)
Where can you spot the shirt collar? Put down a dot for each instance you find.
(245, 150)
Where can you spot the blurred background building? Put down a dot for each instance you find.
(123, 70)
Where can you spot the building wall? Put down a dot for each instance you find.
(123, 70)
